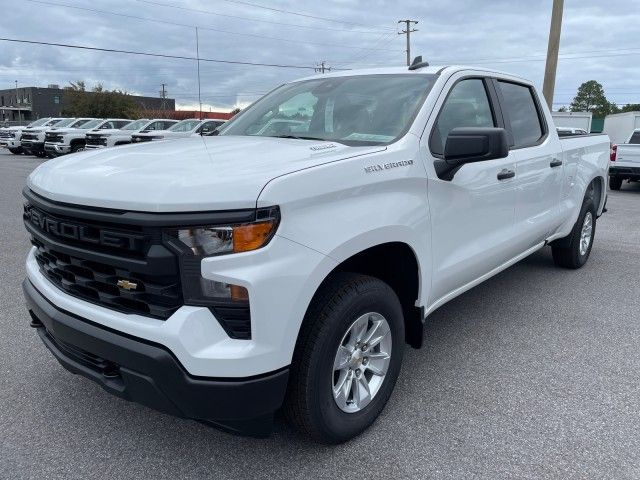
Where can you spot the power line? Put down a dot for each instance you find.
(176, 24)
(271, 22)
(300, 14)
(148, 54)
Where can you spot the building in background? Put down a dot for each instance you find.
(32, 103)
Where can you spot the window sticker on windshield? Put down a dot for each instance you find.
(328, 116)
(368, 137)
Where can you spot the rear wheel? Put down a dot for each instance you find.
(573, 251)
(615, 183)
(347, 359)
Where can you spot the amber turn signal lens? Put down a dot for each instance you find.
(238, 293)
(251, 236)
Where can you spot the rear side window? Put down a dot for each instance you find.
(635, 138)
(520, 106)
(466, 106)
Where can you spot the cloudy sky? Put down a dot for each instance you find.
(599, 41)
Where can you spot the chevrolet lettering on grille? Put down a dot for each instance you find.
(81, 232)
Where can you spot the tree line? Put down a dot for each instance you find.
(591, 98)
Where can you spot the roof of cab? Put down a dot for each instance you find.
(430, 70)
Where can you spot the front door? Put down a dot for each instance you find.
(472, 215)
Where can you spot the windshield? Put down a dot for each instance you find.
(137, 125)
(66, 122)
(80, 123)
(92, 123)
(37, 123)
(184, 126)
(358, 110)
(55, 121)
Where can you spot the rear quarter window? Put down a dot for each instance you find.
(519, 103)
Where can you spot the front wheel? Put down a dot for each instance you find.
(573, 251)
(16, 151)
(347, 358)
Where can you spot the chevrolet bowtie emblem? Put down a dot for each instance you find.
(127, 285)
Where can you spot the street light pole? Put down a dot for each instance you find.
(18, 102)
(552, 52)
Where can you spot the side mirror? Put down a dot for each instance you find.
(468, 145)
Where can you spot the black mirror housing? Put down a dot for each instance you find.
(471, 144)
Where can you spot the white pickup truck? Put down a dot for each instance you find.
(59, 141)
(10, 136)
(122, 136)
(223, 278)
(186, 128)
(32, 137)
(625, 161)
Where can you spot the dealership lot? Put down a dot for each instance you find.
(532, 374)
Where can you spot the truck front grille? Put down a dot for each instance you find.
(121, 267)
(30, 136)
(53, 137)
(96, 140)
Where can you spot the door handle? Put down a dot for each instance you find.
(504, 174)
(556, 162)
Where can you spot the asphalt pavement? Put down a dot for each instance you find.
(533, 374)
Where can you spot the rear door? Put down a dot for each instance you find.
(539, 165)
(472, 215)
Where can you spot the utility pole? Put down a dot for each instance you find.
(198, 57)
(552, 52)
(18, 102)
(408, 31)
(321, 68)
(163, 96)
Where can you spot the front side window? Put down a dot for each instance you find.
(520, 107)
(467, 105)
(356, 110)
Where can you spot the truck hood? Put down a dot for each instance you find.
(191, 174)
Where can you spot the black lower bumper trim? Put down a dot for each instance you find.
(625, 172)
(149, 374)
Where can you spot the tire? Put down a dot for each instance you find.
(16, 151)
(40, 154)
(615, 183)
(568, 252)
(77, 147)
(310, 404)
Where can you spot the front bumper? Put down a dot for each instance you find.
(56, 148)
(30, 146)
(9, 143)
(149, 374)
(625, 171)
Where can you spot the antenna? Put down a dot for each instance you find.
(418, 63)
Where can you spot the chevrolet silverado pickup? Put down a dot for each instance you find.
(10, 136)
(32, 138)
(185, 128)
(625, 161)
(222, 278)
(122, 136)
(72, 139)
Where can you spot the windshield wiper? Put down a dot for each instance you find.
(302, 137)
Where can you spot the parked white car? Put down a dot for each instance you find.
(62, 141)
(226, 278)
(625, 161)
(122, 136)
(60, 129)
(620, 126)
(10, 136)
(185, 128)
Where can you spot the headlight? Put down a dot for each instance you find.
(229, 303)
(207, 241)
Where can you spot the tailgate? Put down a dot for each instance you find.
(628, 153)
